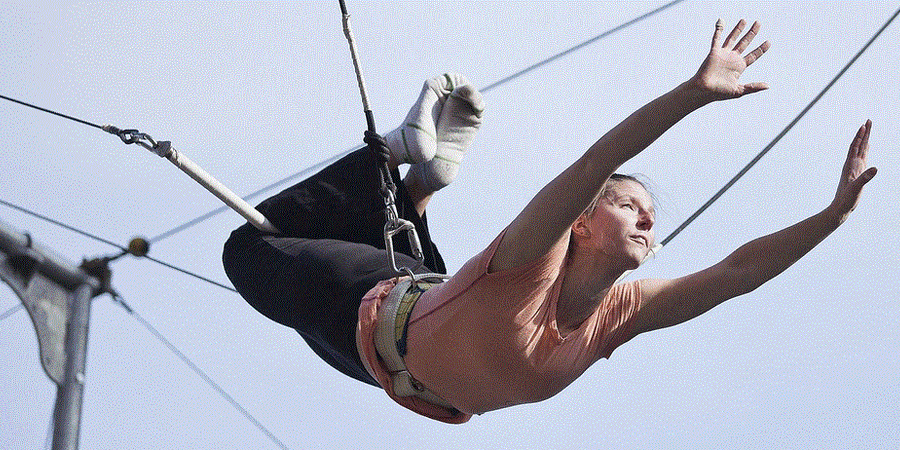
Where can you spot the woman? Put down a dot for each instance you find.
(524, 318)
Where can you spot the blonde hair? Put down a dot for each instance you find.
(614, 179)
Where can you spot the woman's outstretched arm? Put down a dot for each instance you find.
(550, 214)
(669, 302)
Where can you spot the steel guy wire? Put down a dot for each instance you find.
(133, 136)
(779, 136)
(487, 88)
(60, 224)
(578, 46)
(106, 241)
(194, 367)
(11, 311)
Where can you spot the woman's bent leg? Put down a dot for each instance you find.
(312, 285)
(344, 202)
(313, 277)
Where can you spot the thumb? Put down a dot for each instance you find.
(863, 178)
(751, 88)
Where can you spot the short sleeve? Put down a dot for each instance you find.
(616, 315)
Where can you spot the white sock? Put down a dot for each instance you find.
(415, 141)
(457, 125)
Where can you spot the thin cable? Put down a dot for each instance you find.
(487, 88)
(159, 336)
(52, 112)
(60, 224)
(578, 47)
(779, 136)
(11, 311)
(186, 272)
(105, 241)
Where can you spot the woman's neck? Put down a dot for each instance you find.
(587, 278)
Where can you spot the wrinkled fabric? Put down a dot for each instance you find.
(368, 323)
(313, 275)
(485, 341)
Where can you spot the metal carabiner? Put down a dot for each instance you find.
(414, 244)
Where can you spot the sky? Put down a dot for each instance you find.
(254, 92)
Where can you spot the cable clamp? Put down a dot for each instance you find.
(161, 148)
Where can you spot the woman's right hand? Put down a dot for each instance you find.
(718, 76)
(855, 174)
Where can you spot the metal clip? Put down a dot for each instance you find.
(414, 244)
(162, 148)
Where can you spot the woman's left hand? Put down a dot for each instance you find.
(854, 175)
(718, 76)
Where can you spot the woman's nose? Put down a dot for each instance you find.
(645, 222)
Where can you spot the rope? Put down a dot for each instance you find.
(779, 136)
(378, 147)
(306, 171)
(489, 87)
(315, 167)
(206, 378)
(360, 80)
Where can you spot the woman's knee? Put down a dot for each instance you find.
(234, 255)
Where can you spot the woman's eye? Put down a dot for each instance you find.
(628, 205)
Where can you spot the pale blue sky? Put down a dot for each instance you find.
(256, 91)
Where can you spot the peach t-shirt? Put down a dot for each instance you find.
(485, 341)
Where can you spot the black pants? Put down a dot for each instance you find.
(313, 276)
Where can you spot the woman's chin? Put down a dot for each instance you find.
(632, 263)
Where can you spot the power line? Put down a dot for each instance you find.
(206, 378)
(779, 136)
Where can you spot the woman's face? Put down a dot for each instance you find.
(621, 227)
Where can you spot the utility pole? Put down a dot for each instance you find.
(58, 298)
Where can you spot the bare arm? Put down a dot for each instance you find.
(669, 302)
(550, 214)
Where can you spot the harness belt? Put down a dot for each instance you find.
(390, 334)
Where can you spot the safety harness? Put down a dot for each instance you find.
(393, 315)
(390, 334)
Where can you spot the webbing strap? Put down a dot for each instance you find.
(390, 334)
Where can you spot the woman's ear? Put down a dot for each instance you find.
(580, 227)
